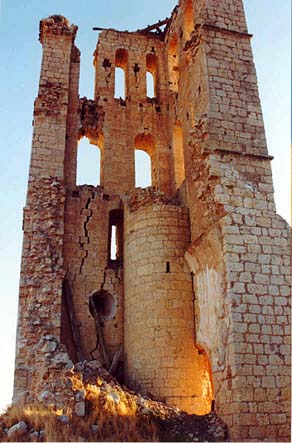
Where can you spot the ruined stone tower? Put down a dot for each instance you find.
(197, 296)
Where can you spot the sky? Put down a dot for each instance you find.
(268, 20)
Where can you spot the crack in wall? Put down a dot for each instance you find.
(104, 278)
(86, 234)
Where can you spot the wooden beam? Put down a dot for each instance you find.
(99, 334)
(73, 322)
(155, 26)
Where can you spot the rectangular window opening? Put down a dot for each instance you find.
(115, 241)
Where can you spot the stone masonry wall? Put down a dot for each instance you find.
(241, 264)
(233, 221)
(158, 310)
(42, 257)
(202, 318)
(87, 265)
(137, 122)
(39, 312)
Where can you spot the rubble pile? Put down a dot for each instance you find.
(99, 408)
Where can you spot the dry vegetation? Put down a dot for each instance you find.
(110, 412)
(109, 417)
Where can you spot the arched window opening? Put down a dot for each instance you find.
(142, 169)
(178, 155)
(145, 174)
(173, 60)
(88, 163)
(152, 75)
(120, 83)
(188, 20)
(115, 240)
(121, 74)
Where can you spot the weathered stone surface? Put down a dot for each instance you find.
(63, 419)
(34, 436)
(94, 364)
(80, 395)
(114, 397)
(198, 294)
(62, 359)
(80, 409)
(50, 347)
(46, 397)
(17, 431)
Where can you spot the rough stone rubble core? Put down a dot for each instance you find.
(201, 285)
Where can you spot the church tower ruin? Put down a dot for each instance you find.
(196, 300)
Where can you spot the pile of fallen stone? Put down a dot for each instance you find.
(101, 408)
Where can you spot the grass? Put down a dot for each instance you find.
(111, 415)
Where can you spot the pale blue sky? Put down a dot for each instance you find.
(268, 20)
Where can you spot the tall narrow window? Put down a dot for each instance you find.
(115, 239)
(114, 248)
(173, 70)
(142, 169)
(145, 171)
(121, 74)
(188, 20)
(152, 77)
(88, 163)
(178, 155)
(120, 83)
(150, 85)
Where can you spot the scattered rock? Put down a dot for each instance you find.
(94, 428)
(140, 401)
(62, 358)
(46, 397)
(34, 436)
(63, 419)
(107, 387)
(80, 366)
(93, 365)
(69, 366)
(49, 347)
(80, 395)
(80, 409)
(113, 396)
(17, 431)
(48, 337)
